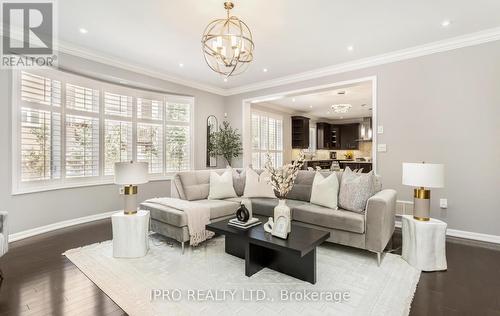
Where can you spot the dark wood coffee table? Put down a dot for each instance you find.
(295, 256)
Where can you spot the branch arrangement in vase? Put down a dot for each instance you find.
(282, 178)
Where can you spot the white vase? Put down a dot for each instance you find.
(283, 210)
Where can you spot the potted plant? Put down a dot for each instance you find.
(226, 142)
(282, 180)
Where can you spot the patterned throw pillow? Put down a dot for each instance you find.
(355, 190)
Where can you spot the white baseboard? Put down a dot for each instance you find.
(48, 228)
(494, 239)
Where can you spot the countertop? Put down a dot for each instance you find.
(339, 160)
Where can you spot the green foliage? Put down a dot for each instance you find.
(226, 143)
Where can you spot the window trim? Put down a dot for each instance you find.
(19, 187)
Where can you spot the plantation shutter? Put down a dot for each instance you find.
(116, 104)
(267, 138)
(82, 146)
(177, 136)
(39, 128)
(150, 146)
(117, 144)
(149, 109)
(82, 99)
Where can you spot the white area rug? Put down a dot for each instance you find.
(373, 290)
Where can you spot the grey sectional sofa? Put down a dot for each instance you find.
(371, 230)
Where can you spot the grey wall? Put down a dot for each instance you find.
(442, 108)
(38, 209)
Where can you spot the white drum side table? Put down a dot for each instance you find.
(424, 243)
(130, 234)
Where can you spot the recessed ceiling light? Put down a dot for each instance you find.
(350, 48)
(181, 65)
(83, 31)
(293, 99)
(225, 79)
(445, 23)
(264, 69)
(311, 106)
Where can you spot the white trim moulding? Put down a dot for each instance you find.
(494, 239)
(51, 227)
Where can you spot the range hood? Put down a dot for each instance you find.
(365, 130)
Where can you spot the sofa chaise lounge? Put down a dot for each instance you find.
(370, 230)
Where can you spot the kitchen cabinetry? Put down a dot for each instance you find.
(349, 136)
(300, 132)
(334, 137)
(323, 135)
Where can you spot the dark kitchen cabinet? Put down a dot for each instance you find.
(349, 136)
(300, 132)
(323, 135)
(334, 137)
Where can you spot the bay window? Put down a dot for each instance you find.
(69, 130)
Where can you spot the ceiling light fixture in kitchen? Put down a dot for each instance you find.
(341, 108)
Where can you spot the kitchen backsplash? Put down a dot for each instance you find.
(365, 150)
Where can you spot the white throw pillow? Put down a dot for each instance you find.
(256, 185)
(325, 190)
(221, 186)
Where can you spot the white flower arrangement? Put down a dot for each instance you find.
(282, 178)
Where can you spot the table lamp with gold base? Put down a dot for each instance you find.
(130, 174)
(423, 175)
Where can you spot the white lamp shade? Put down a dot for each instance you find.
(131, 173)
(427, 175)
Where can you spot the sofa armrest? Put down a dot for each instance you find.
(380, 219)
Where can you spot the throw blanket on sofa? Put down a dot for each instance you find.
(197, 214)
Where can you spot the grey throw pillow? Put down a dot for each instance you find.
(355, 190)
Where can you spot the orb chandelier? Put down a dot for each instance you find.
(341, 108)
(227, 44)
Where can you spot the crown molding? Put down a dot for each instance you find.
(471, 39)
(461, 41)
(73, 50)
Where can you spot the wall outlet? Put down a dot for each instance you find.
(121, 190)
(382, 148)
(443, 203)
(380, 129)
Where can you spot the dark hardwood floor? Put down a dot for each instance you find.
(40, 281)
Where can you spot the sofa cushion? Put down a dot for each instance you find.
(355, 190)
(221, 186)
(327, 217)
(265, 206)
(195, 184)
(325, 190)
(165, 214)
(302, 187)
(257, 185)
(175, 217)
(220, 208)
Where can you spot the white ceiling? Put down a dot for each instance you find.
(318, 104)
(291, 36)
